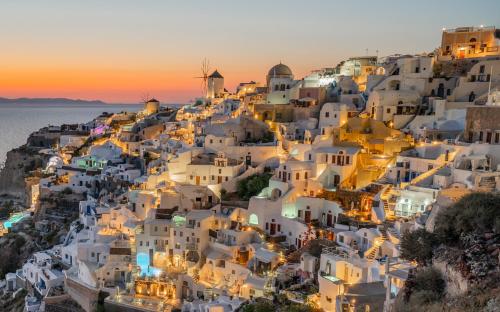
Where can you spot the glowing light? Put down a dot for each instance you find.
(254, 219)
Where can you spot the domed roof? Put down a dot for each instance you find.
(280, 70)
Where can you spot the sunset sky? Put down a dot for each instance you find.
(119, 50)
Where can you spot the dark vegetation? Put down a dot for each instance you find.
(279, 304)
(466, 236)
(252, 185)
(6, 209)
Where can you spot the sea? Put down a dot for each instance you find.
(19, 120)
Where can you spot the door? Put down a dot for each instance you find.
(461, 54)
(197, 180)
(336, 180)
(273, 228)
(307, 216)
(248, 160)
(219, 180)
(328, 220)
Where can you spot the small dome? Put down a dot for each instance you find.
(280, 70)
(153, 100)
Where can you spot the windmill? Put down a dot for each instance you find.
(205, 67)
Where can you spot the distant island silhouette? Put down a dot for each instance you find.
(49, 101)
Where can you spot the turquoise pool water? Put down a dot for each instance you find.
(146, 269)
(16, 217)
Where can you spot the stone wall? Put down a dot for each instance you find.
(85, 296)
(456, 284)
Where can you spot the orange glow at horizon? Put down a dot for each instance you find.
(114, 86)
(119, 50)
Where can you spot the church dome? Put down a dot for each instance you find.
(280, 70)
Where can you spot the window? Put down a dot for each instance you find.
(297, 176)
(327, 114)
(305, 175)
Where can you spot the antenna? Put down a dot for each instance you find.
(491, 76)
(205, 68)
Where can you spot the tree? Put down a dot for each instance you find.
(425, 287)
(7, 209)
(418, 246)
(8, 261)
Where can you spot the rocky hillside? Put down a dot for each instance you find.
(459, 261)
(20, 162)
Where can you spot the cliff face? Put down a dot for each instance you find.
(19, 163)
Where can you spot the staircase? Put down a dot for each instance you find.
(133, 262)
(487, 183)
(372, 252)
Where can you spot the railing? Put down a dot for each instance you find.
(468, 29)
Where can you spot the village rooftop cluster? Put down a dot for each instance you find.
(298, 186)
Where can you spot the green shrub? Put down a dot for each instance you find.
(418, 246)
(425, 287)
(67, 191)
(476, 212)
(252, 185)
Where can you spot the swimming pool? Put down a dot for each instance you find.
(13, 219)
(146, 269)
